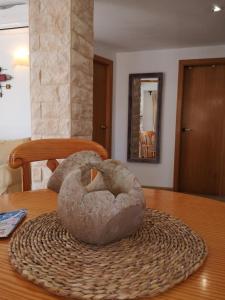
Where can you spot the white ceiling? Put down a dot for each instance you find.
(15, 16)
(12, 2)
(130, 25)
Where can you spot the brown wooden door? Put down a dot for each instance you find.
(102, 103)
(202, 157)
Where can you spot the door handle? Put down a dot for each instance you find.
(186, 129)
(102, 126)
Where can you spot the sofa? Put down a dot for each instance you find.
(10, 180)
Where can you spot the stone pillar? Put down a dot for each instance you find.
(61, 68)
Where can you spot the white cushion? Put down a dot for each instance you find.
(5, 178)
(6, 146)
(10, 180)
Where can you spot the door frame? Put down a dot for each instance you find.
(109, 86)
(180, 90)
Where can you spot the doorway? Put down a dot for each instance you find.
(200, 133)
(102, 102)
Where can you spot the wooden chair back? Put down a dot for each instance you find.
(147, 144)
(50, 150)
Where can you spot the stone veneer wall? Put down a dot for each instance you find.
(82, 53)
(61, 62)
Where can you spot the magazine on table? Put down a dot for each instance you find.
(9, 221)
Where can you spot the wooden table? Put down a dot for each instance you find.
(205, 216)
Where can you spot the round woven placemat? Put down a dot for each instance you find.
(161, 254)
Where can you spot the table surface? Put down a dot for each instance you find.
(205, 216)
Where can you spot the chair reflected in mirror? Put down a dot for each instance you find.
(147, 145)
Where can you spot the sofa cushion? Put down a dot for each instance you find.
(6, 146)
(10, 180)
(5, 178)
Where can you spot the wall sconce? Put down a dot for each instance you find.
(21, 57)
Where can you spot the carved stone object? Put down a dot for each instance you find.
(83, 159)
(109, 208)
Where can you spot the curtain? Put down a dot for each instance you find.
(154, 104)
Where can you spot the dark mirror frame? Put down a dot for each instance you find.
(158, 117)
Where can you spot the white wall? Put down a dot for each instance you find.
(15, 104)
(105, 51)
(165, 61)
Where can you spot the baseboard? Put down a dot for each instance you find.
(158, 187)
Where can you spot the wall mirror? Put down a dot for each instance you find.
(145, 96)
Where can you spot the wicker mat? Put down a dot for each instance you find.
(161, 254)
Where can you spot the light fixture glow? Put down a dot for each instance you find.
(21, 57)
(216, 8)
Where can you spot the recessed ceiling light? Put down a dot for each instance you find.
(216, 8)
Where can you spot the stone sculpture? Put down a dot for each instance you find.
(109, 208)
(83, 159)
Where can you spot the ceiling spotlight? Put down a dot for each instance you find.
(216, 8)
